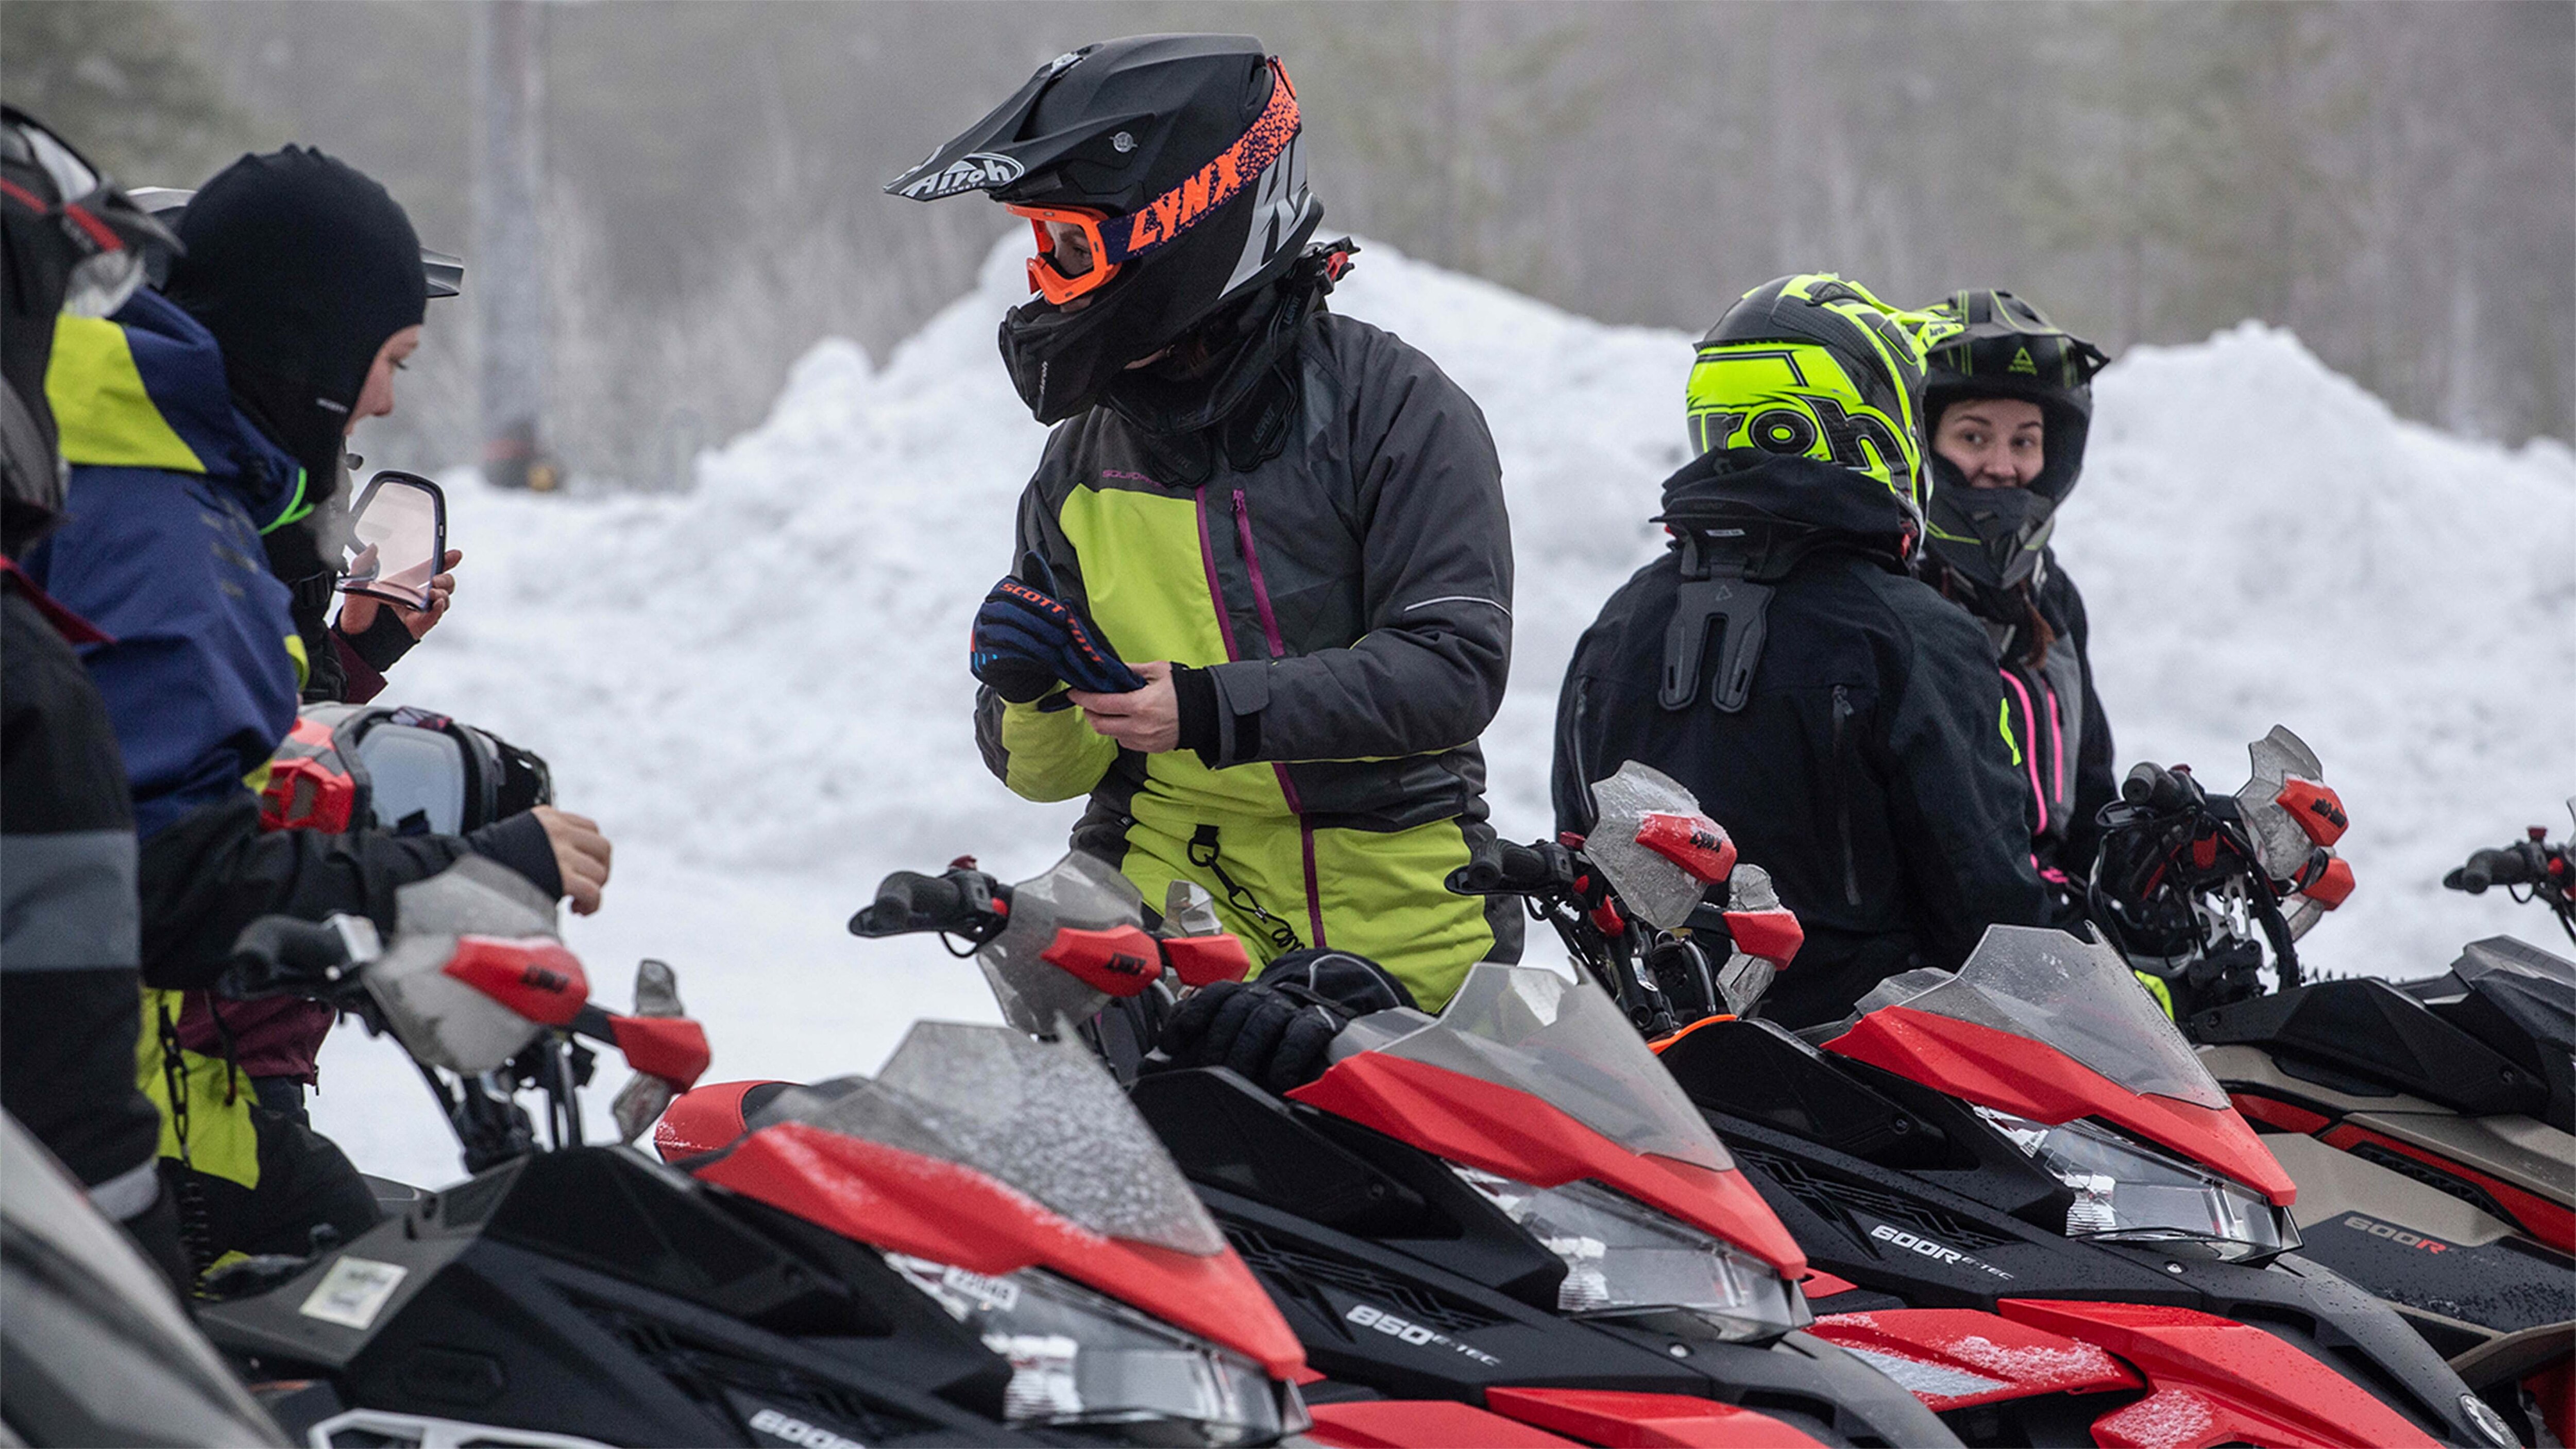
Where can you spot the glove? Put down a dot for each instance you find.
(1275, 1031)
(1026, 640)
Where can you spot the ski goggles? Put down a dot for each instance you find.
(1107, 242)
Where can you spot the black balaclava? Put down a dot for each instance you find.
(301, 266)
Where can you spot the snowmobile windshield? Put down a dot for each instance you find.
(1563, 1042)
(2070, 995)
(1080, 892)
(1040, 1117)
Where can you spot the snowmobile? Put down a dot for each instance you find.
(2430, 1124)
(1501, 1225)
(2022, 1195)
(981, 1245)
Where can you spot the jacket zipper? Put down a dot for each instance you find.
(1842, 793)
(1278, 649)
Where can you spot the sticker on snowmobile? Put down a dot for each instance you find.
(1364, 1316)
(1916, 1243)
(354, 1292)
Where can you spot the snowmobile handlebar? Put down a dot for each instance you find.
(1543, 869)
(2525, 862)
(279, 955)
(961, 901)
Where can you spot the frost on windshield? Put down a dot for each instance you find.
(473, 897)
(1567, 1044)
(1041, 1117)
(2075, 996)
(1079, 892)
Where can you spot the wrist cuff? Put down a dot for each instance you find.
(1194, 698)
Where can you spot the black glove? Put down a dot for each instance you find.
(1026, 640)
(1274, 1031)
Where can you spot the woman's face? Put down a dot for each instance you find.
(377, 398)
(1995, 442)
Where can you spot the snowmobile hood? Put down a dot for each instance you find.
(1828, 502)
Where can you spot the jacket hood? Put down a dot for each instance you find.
(1809, 494)
(146, 389)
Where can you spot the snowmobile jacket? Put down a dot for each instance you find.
(170, 488)
(1349, 601)
(68, 936)
(1864, 762)
(2064, 737)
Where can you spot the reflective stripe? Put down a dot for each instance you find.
(1458, 599)
(130, 1192)
(67, 901)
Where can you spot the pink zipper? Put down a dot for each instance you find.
(2030, 756)
(1278, 650)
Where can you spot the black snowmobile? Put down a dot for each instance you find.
(945, 1254)
(1497, 1220)
(2430, 1124)
(2023, 1195)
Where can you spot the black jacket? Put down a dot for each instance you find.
(1865, 768)
(68, 1003)
(2065, 737)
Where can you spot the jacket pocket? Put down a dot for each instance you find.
(1842, 792)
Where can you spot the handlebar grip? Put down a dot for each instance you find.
(2509, 866)
(1503, 869)
(908, 902)
(276, 954)
(2152, 785)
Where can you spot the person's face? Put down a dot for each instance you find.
(1072, 252)
(1994, 442)
(377, 398)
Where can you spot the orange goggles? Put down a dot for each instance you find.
(1107, 242)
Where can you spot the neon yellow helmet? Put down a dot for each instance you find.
(1815, 366)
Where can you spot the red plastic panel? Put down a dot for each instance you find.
(1774, 935)
(2550, 1222)
(673, 1048)
(1421, 1424)
(2217, 1381)
(702, 1120)
(1206, 960)
(1694, 842)
(535, 977)
(1645, 1421)
(2555, 1388)
(1528, 1139)
(2031, 1079)
(1821, 1284)
(1121, 961)
(2330, 889)
(2276, 1114)
(307, 794)
(1964, 1349)
(944, 1211)
(2317, 808)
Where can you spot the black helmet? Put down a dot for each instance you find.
(1178, 158)
(70, 240)
(2005, 347)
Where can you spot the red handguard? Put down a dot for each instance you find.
(1122, 961)
(535, 977)
(2331, 885)
(1206, 960)
(673, 1048)
(2317, 808)
(1694, 842)
(1774, 935)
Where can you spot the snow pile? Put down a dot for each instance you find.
(759, 688)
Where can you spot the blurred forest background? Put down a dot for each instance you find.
(2393, 179)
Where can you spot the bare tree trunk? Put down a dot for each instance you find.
(509, 279)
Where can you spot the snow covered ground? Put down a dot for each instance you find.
(759, 688)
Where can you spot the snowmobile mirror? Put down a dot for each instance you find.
(398, 537)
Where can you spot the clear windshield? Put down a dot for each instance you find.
(1653, 889)
(1079, 892)
(2076, 997)
(1567, 1044)
(1041, 1117)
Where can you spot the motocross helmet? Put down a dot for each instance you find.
(360, 767)
(1991, 538)
(1813, 366)
(1176, 159)
(70, 241)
